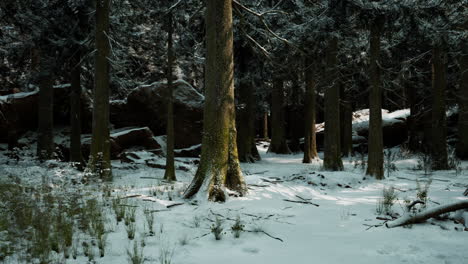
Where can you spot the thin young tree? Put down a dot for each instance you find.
(45, 142)
(99, 160)
(219, 164)
(75, 109)
(462, 146)
(169, 173)
(265, 125)
(439, 127)
(76, 154)
(310, 143)
(375, 161)
(346, 125)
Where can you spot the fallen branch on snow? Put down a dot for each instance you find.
(258, 185)
(411, 205)
(275, 181)
(423, 216)
(302, 202)
(174, 204)
(130, 196)
(261, 231)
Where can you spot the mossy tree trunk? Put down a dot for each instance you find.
(332, 152)
(219, 164)
(45, 137)
(439, 133)
(310, 142)
(99, 160)
(462, 146)
(169, 173)
(375, 141)
(278, 142)
(76, 155)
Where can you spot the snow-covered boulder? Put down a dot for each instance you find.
(394, 128)
(146, 106)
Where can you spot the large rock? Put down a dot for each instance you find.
(18, 111)
(146, 106)
(125, 138)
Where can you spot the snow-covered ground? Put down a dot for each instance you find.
(342, 229)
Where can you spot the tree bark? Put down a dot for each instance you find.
(278, 133)
(219, 164)
(169, 173)
(375, 160)
(310, 142)
(332, 152)
(99, 161)
(462, 146)
(75, 110)
(45, 137)
(439, 133)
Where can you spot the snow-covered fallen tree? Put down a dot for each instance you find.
(430, 213)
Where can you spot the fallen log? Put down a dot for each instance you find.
(423, 216)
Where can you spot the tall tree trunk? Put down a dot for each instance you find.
(310, 142)
(375, 143)
(99, 161)
(45, 137)
(439, 133)
(332, 152)
(75, 110)
(219, 164)
(246, 111)
(462, 146)
(169, 173)
(278, 133)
